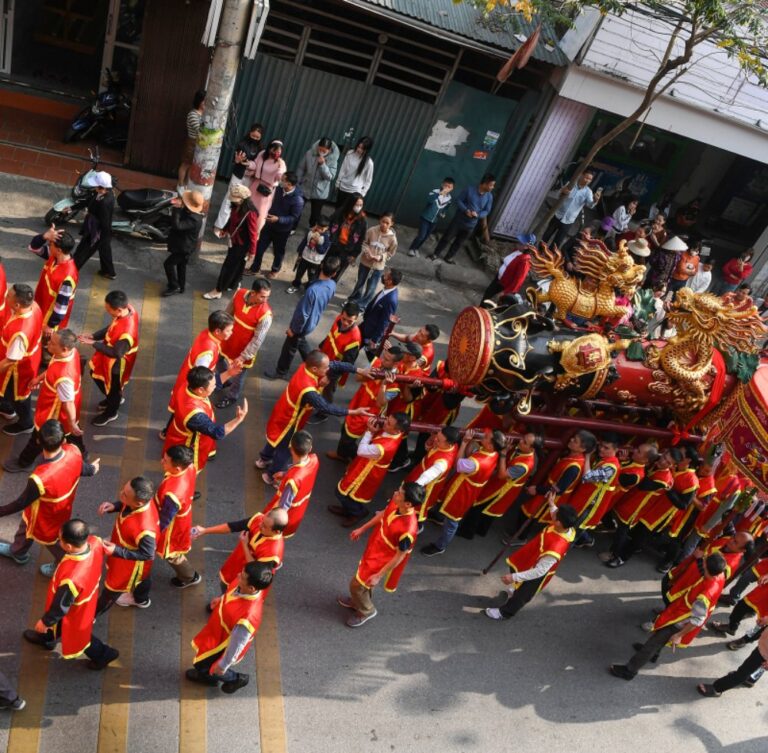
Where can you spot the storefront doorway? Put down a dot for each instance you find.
(62, 47)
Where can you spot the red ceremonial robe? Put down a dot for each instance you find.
(384, 543)
(60, 369)
(262, 548)
(179, 486)
(247, 318)
(364, 475)
(121, 328)
(536, 507)
(56, 481)
(549, 543)
(301, 478)
(81, 574)
(185, 405)
(28, 325)
(463, 490)
(434, 456)
(131, 526)
(52, 277)
(708, 588)
(289, 412)
(499, 495)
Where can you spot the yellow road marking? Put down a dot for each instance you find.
(24, 735)
(116, 687)
(268, 673)
(193, 722)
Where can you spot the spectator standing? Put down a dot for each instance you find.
(735, 271)
(379, 246)
(97, 228)
(194, 121)
(245, 151)
(701, 281)
(356, 172)
(9, 698)
(514, 268)
(663, 261)
(566, 215)
(310, 254)
(305, 319)
(265, 173)
(316, 173)
(657, 234)
(473, 204)
(687, 266)
(438, 201)
(380, 312)
(284, 215)
(186, 221)
(623, 215)
(347, 230)
(241, 232)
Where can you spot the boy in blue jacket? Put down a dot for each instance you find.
(438, 201)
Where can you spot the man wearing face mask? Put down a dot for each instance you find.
(316, 173)
(283, 216)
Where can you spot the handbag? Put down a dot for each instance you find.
(261, 188)
(234, 232)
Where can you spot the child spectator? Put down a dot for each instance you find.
(438, 201)
(311, 252)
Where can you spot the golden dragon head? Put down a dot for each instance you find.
(705, 317)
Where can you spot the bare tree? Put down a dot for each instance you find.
(740, 28)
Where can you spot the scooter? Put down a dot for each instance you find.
(145, 211)
(107, 117)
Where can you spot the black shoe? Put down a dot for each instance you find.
(727, 600)
(225, 402)
(17, 704)
(178, 583)
(103, 419)
(400, 466)
(39, 639)
(13, 430)
(109, 656)
(195, 675)
(103, 404)
(272, 375)
(239, 682)
(620, 670)
(107, 276)
(430, 550)
(196, 496)
(171, 291)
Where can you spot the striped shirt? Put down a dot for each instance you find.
(194, 119)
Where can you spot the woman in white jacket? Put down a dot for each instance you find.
(356, 172)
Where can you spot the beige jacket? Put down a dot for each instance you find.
(378, 248)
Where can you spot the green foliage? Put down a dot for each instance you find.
(740, 27)
(741, 365)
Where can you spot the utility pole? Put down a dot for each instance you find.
(233, 26)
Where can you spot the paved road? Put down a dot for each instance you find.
(429, 673)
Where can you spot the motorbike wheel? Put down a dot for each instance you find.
(53, 217)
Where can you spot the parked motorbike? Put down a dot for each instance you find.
(144, 211)
(106, 118)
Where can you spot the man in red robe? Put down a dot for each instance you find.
(387, 552)
(295, 487)
(230, 630)
(55, 291)
(173, 500)
(116, 346)
(681, 621)
(70, 607)
(535, 563)
(425, 338)
(462, 491)
(59, 398)
(514, 268)
(19, 359)
(358, 486)
(342, 343)
(47, 499)
(132, 547)
(253, 318)
(293, 408)
(192, 421)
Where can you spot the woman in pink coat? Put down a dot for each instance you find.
(265, 171)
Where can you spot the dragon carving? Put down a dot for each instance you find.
(603, 273)
(682, 369)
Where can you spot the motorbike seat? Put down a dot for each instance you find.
(140, 198)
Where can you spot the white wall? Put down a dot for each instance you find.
(713, 103)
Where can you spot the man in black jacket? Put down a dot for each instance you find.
(284, 214)
(97, 228)
(186, 221)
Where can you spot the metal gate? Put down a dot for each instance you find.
(299, 105)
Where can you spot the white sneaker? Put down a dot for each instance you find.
(127, 600)
(493, 613)
(212, 295)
